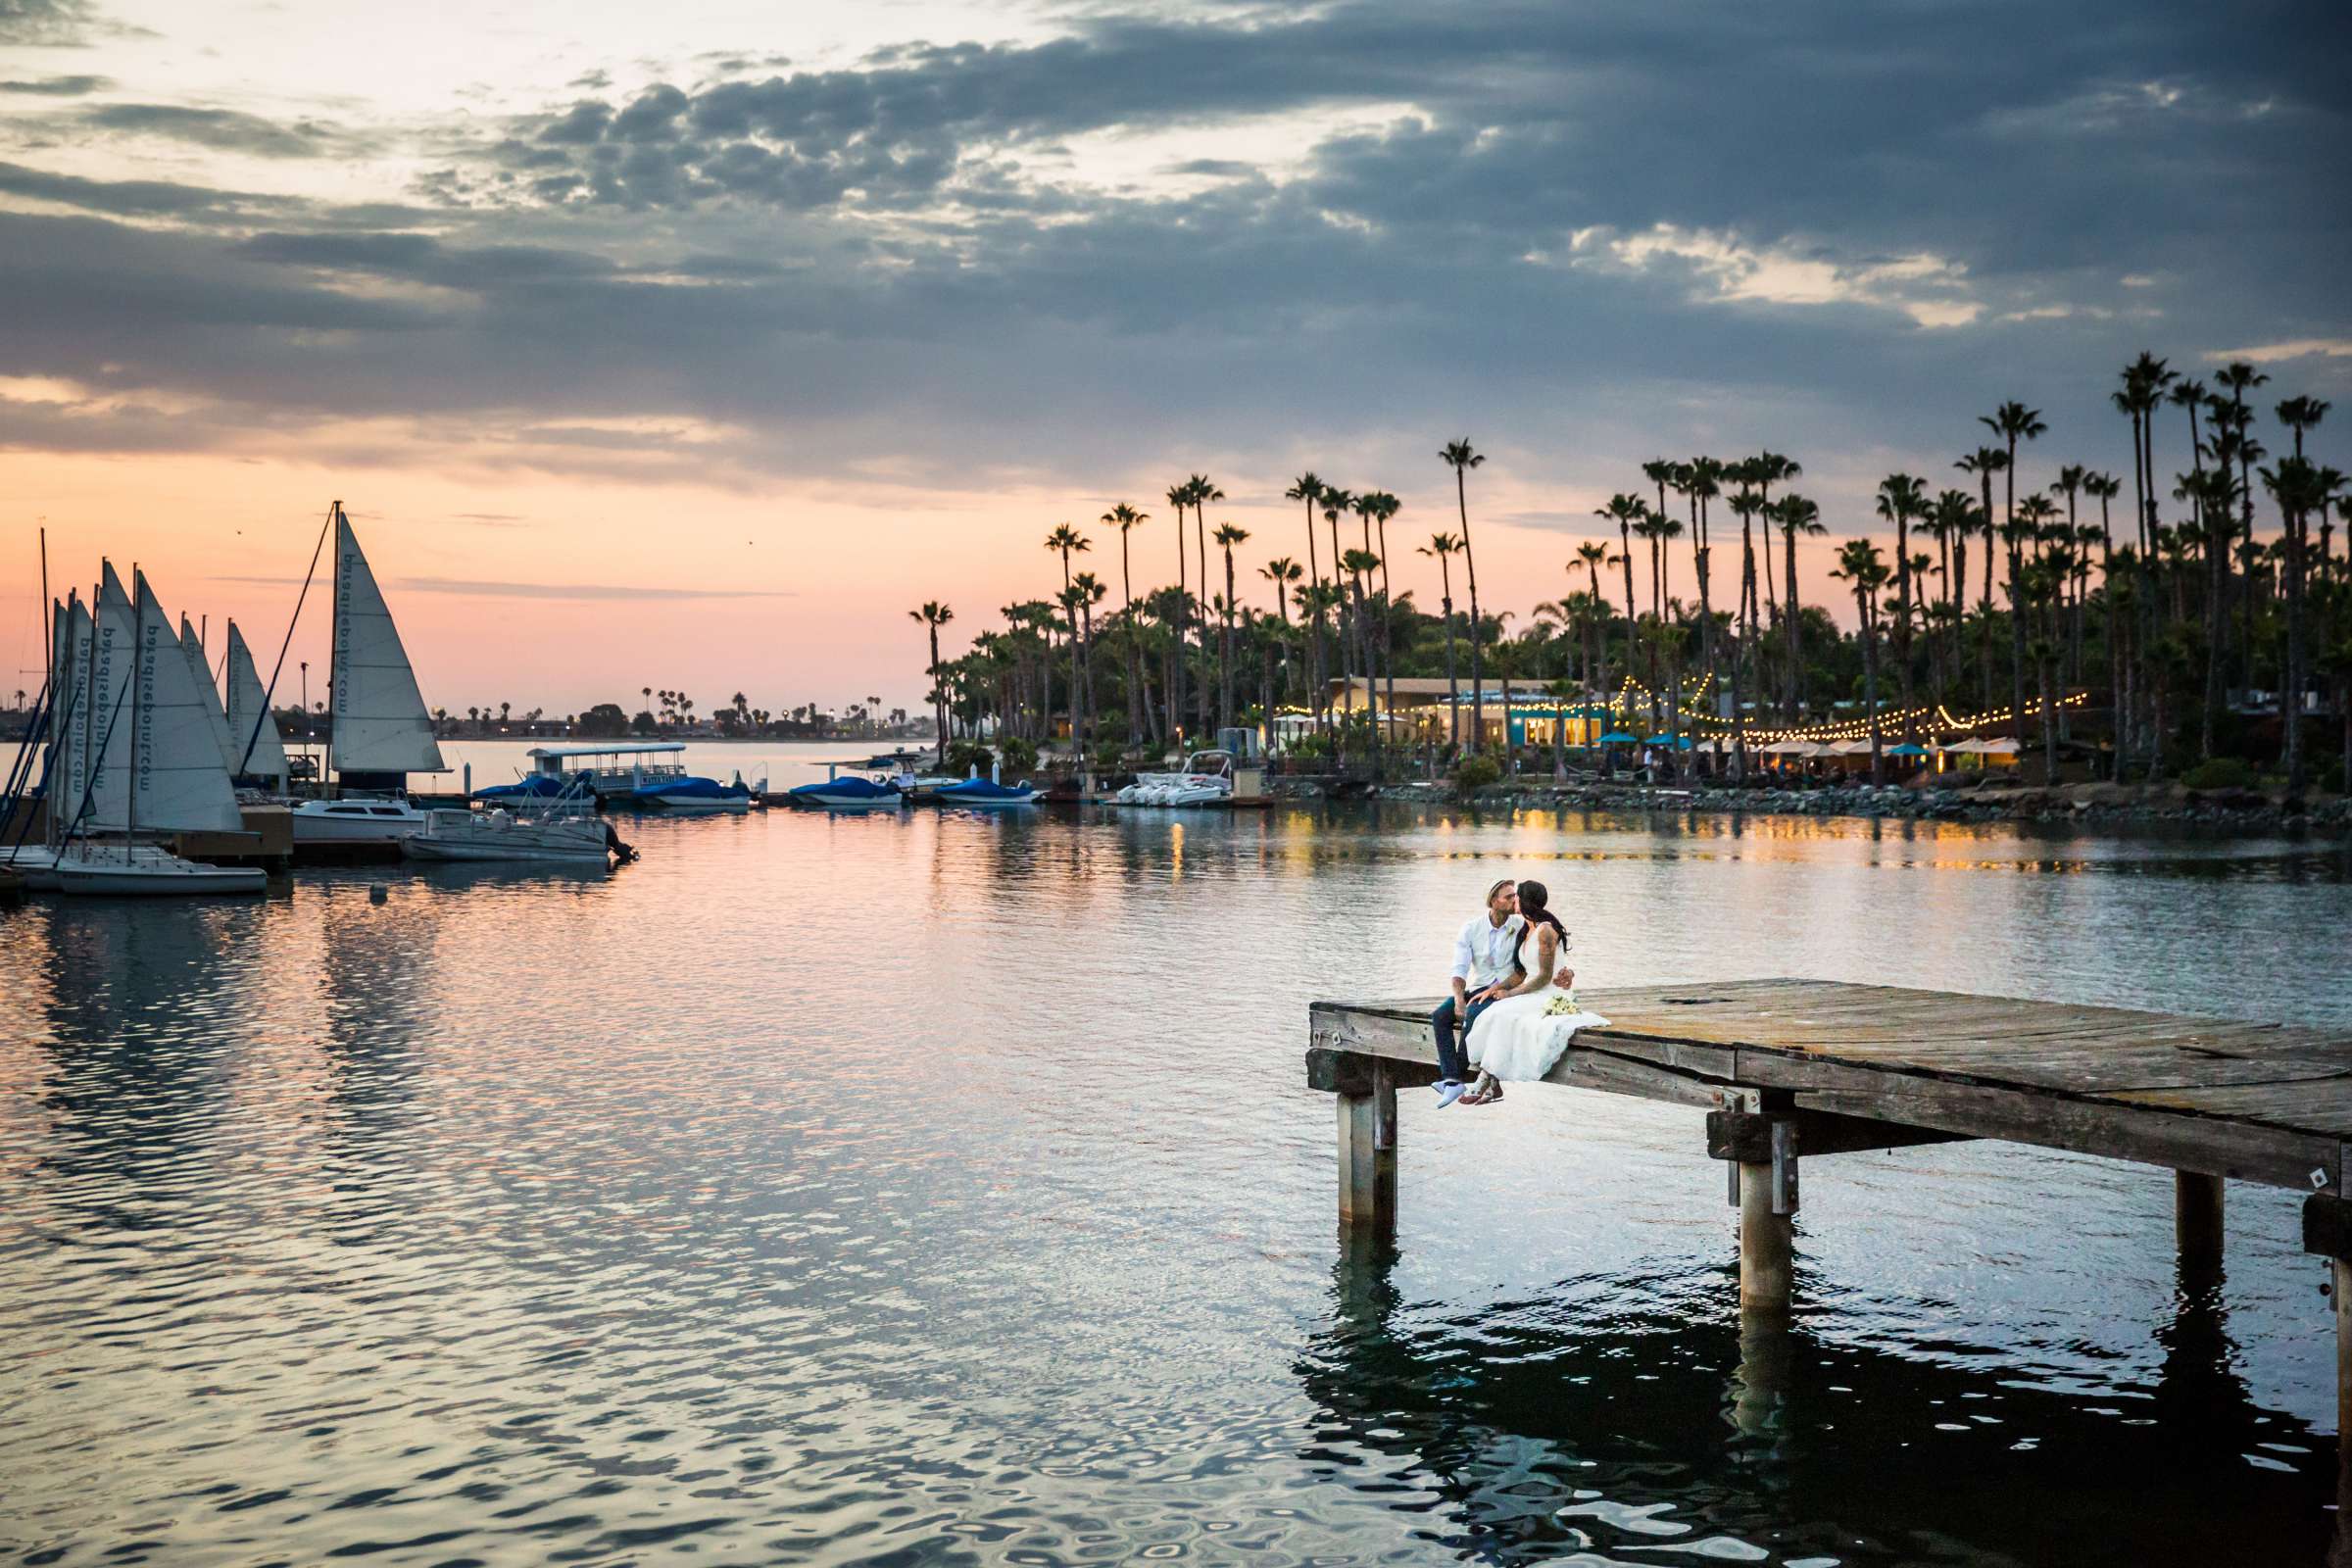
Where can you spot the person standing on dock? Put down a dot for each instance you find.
(1486, 963)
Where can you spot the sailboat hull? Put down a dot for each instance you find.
(144, 871)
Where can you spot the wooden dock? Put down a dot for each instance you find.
(1792, 1069)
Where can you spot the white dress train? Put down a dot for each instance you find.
(1520, 1037)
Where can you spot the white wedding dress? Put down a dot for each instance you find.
(1520, 1037)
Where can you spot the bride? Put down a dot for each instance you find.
(1520, 1037)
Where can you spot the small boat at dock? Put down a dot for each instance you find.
(847, 792)
(565, 829)
(984, 791)
(1206, 780)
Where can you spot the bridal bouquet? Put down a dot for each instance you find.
(1563, 1005)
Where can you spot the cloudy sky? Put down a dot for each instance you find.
(689, 344)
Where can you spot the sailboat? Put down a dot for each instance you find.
(382, 731)
(260, 752)
(141, 751)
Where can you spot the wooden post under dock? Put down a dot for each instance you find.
(1791, 1068)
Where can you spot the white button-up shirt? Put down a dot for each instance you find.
(1484, 952)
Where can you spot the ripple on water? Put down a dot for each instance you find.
(942, 1188)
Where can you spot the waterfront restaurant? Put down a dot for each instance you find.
(1423, 710)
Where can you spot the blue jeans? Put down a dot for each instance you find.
(1452, 1062)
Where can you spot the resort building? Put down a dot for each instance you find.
(1420, 707)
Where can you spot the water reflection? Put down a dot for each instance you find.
(1523, 1431)
(934, 1186)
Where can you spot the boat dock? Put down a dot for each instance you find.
(1786, 1070)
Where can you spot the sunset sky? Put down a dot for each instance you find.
(690, 345)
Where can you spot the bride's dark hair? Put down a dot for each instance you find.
(1534, 900)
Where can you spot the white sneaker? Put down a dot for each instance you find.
(1448, 1092)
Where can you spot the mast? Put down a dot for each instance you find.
(138, 703)
(88, 710)
(334, 648)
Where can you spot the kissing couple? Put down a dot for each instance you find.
(1513, 999)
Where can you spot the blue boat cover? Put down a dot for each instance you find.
(847, 788)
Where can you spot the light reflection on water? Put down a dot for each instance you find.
(943, 1187)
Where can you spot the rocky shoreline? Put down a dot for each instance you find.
(2242, 811)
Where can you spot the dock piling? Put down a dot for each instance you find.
(2197, 1206)
(1767, 1244)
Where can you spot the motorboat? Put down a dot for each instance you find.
(353, 826)
(848, 792)
(131, 868)
(1206, 780)
(973, 789)
(569, 830)
(689, 797)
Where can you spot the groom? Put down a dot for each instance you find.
(1485, 965)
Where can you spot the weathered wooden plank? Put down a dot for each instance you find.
(2315, 1105)
(1747, 1137)
(2217, 1148)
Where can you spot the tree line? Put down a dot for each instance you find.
(2031, 603)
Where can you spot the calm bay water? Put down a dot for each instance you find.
(944, 1188)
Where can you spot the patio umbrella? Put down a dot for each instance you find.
(1618, 737)
(1907, 749)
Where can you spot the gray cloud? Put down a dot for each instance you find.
(223, 129)
(57, 87)
(1592, 235)
(48, 22)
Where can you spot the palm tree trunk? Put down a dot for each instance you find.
(1794, 612)
(1870, 682)
(2291, 695)
(1225, 672)
(1477, 685)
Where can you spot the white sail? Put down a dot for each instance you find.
(247, 703)
(216, 716)
(175, 780)
(68, 771)
(381, 725)
(100, 801)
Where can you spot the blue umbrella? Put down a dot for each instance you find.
(1680, 740)
(1618, 737)
(1907, 749)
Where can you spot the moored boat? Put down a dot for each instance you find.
(847, 792)
(565, 831)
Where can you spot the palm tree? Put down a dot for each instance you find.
(1336, 502)
(933, 615)
(1360, 564)
(1067, 541)
(1625, 511)
(1202, 490)
(1127, 519)
(1309, 489)
(1227, 537)
(1180, 496)
(1461, 457)
(2296, 487)
(2300, 414)
(1901, 499)
(1384, 507)
(1443, 546)
(1858, 562)
(1794, 514)
(1281, 572)
(2014, 421)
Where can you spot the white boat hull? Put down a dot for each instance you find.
(479, 836)
(353, 824)
(421, 847)
(148, 872)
